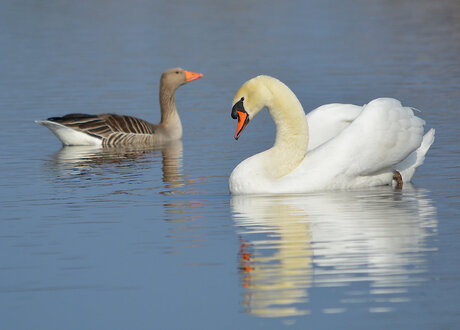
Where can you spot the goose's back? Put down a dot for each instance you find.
(111, 129)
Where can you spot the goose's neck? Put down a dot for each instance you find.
(291, 131)
(169, 116)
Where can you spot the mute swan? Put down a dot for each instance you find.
(349, 147)
(111, 129)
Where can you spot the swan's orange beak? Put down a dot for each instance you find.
(189, 76)
(242, 122)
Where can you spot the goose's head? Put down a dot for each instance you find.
(175, 77)
(252, 97)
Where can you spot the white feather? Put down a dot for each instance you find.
(349, 147)
(69, 136)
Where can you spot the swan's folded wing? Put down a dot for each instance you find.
(383, 135)
(327, 121)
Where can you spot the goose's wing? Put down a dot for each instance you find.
(102, 126)
(383, 135)
(327, 121)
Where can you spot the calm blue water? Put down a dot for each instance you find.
(151, 239)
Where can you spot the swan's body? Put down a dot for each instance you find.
(349, 146)
(114, 130)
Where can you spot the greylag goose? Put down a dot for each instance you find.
(112, 130)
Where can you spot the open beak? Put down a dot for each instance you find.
(189, 76)
(242, 122)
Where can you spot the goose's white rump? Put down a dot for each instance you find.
(69, 136)
(336, 146)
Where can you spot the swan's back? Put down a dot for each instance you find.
(327, 121)
(381, 136)
(366, 152)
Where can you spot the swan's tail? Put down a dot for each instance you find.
(408, 166)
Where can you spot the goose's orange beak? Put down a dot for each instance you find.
(189, 76)
(242, 122)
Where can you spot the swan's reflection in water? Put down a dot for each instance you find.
(333, 239)
(81, 160)
(276, 266)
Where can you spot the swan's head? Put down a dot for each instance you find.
(252, 97)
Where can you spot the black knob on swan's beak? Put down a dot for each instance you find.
(239, 106)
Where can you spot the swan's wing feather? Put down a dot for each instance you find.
(383, 135)
(408, 166)
(327, 121)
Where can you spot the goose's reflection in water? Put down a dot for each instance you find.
(80, 160)
(131, 175)
(329, 240)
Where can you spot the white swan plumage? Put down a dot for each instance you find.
(336, 146)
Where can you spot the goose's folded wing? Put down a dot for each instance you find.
(327, 121)
(102, 126)
(383, 135)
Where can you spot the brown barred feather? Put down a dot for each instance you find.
(132, 124)
(113, 129)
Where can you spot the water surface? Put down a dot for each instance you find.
(142, 238)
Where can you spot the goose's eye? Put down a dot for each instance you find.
(177, 72)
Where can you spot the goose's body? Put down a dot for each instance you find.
(336, 146)
(112, 129)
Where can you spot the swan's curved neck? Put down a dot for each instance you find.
(291, 129)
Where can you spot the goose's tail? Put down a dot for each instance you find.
(69, 136)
